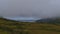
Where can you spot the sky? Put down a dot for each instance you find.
(30, 8)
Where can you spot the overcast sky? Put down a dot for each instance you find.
(30, 8)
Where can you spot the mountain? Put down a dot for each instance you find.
(26, 20)
(49, 20)
(23, 19)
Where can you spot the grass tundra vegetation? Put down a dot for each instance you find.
(16, 27)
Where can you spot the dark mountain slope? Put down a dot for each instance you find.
(49, 20)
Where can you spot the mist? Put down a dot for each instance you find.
(30, 8)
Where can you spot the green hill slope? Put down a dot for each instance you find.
(15, 27)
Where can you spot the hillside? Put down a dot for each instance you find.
(49, 20)
(15, 27)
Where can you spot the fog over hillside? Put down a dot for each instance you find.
(30, 8)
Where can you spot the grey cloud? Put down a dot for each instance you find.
(30, 8)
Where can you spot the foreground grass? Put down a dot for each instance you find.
(13, 27)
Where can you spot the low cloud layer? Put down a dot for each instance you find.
(30, 8)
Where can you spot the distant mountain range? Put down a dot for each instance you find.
(26, 20)
(46, 20)
(23, 19)
(49, 20)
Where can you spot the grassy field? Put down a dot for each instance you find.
(15, 27)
